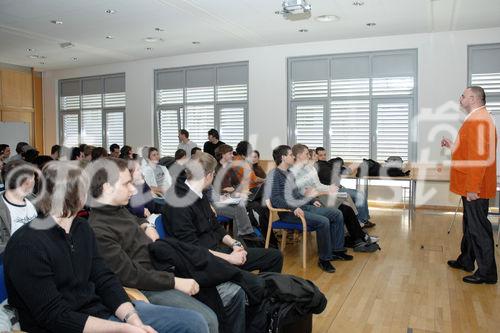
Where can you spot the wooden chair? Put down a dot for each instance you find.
(277, 224)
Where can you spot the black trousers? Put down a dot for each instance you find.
(477, 241)
(263, 260)
(351, 223)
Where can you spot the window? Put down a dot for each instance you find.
(484, 71)
(355, 105)
(92, 111)
(198, 99)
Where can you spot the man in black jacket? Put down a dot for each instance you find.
(123, 240)
(189, 217)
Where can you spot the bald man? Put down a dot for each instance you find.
(473, 177)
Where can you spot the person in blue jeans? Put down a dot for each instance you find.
(57, 280)
(328, 222)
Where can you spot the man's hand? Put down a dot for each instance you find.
(317, 204)
(187, 286)
(334, 189)
(129, 328)
(445, 142)
(298, 212)
(471, 196)
(237, 258)
(152, 233)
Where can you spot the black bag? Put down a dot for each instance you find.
(393, 167)
(368, 167)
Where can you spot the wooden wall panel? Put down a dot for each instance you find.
(38, 108)
(17, 89)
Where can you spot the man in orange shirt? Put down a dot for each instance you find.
(473, 176)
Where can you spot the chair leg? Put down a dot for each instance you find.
(455, 215)
(304, 248)
(283, 239)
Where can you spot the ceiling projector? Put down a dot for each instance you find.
(295, 10)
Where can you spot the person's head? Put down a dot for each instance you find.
(4, 151)
(126, 153)
(114, 150)
(300, 152)
(472, 98)
(99, 152)
(153, 155)
(244, 148)
(30, 155)
(76, 154)
(213, 135)
(255, 157)
(180, 154)
(194, 152)
(224, 153)
(19, 177)
(321, 153)
(87, 152)
(55, 152)
(65, 189)
(183, 135)
(41, 160)
(201, 169)
(20, 146)
(111, 181)
(312, 155)
(282, 156)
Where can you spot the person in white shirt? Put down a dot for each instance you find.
(185, 143)
(15, 209)
(156, 176)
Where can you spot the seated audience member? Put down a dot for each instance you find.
(41, 160)
(114, 150)
(15, 209)
(189, 217)
(87, 152)
(141, 203)
(19, 151)
(325, 174)
(177, 169)
(329, 224)
(126, 153)
(156, 175)
(259, 172)
(306, 177)
(55, 152)
(184, 142)
(76, 154)
(124, 241)
(212, 143)
(2, 187)
(99, 152)
(57, 280)
(4, 152)
(225, 185)
(30, 155)
(312, 156)
(244, 170)
(195, 153)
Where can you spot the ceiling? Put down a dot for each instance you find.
(216, 24)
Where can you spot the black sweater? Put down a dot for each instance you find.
(56, 280)
(190, 218)
(124, 245)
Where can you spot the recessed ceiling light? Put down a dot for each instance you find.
(149, 49)
(303, 30)
(41, 63)
(56, 21)
(67, 45)
(110, 37)
(110, 11)
(74, 59)
(358, 3)
(152, 39)
(159, 29)
(371, 24)
(34, 56)
(195, 43)
(30, 50)
(327, 18)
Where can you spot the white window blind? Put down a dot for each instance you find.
(169, 96)
(231, 93)
(168, 131)
(490, 82)
(309, 89)
(113, 100)
(392, 130)
(232, 124)
(382, 86)
(309, 125)
(92, 127)
(70, 129)
(200, 94)
(350, 129)
(70, 102)
(350, 87)
(199, 120)
(114, 128)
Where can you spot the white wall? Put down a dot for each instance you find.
(442, 75)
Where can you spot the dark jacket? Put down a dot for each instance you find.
(57, 280)
(190, 218)
(124, 246)
(143, 199)
(284, 192)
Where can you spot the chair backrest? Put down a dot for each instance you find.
(160, 228)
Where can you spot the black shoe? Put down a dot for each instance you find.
(326, 266)
(455, 264)
(341, 256)
(368, 224)
(474, 279)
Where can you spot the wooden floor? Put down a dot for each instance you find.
(406, 287)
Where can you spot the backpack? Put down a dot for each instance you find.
(393, 167)
(368, 167)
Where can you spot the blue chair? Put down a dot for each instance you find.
(160, 228)
(3, 289)
(276, 224)
(223, 219)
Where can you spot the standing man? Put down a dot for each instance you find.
(212, 143)
(185, 143)
(473, 176)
